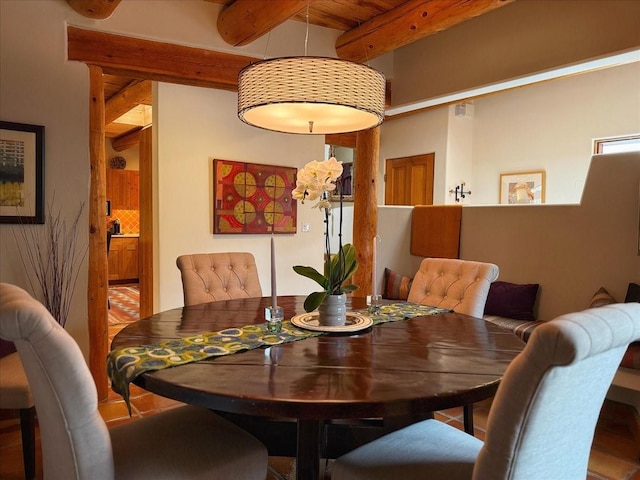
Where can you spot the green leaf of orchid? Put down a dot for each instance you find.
(311, 273)
(314, 300)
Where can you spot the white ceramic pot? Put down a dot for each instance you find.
(332, 312)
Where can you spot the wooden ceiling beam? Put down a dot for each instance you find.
(165, 62)
(126, 141)
(138, 92)
(98, 9)
(244, 21)
(407, 23)
(347, 140)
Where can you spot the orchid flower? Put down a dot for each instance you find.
(315, 181)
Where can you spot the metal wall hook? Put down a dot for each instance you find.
(459, 192)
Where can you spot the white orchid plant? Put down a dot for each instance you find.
(316, 181)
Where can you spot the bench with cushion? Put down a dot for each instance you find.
(511, 306)
(508, 307)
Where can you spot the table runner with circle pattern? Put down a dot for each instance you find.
(125, 364)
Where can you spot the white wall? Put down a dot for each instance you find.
(131, 155)
(38, 86)
(551, 127)
(414, 135)
(193, 127)
(459, 154)
(548, 126)
(395, 243)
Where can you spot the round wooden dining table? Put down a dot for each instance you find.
(398, 371)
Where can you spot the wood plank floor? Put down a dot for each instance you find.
(615, 454)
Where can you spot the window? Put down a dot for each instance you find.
(629, 143)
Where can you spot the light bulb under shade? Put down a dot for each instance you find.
(286, 94)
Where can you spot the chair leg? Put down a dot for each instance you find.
(468, 418)
(28, 430)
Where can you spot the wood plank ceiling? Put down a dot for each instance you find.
(370, 28)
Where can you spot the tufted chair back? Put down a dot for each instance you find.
(460, 285)
(542, 419)
(180, 443)
(209, 277)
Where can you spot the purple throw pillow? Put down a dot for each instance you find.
(633, 293)
(511, 300)
(6, 347)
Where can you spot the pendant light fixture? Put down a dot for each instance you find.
(311, 95)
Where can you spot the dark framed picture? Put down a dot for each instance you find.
(345, 184)
(21, 173)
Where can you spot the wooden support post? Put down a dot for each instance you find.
(145, 246)
(98, 9)
(365, 209)
(98, 278)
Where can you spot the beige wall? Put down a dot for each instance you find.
(524, 37)
(570, 250)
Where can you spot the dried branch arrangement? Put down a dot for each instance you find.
(52, 259)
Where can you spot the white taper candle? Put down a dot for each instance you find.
(274, 299)
(373, 268)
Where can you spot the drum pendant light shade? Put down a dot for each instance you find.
(311, 95)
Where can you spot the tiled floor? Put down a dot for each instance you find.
(615, 455)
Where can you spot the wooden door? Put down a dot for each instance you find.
(114, 261)
(409, 180)
(134, 189)
(118, 189)
(129, 259)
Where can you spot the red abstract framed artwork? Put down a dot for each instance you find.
(253, 198)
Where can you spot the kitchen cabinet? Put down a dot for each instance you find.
(123, 189)
(123, 259)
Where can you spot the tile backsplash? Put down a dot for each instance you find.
(129, 220)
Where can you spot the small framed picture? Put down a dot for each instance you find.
(21, 173)
(522, 188)
(344, 184)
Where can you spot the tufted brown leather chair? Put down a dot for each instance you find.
(209, 277)
(460, 285)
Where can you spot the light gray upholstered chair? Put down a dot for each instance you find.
(542, 420)
(460, 285)
(209, 277)
(15, 394)
(184, 442)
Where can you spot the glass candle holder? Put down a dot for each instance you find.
(274, 317)
(374, 302)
